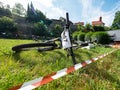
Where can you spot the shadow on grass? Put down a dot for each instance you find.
(52, 57)
(22, 60)
(83, 55)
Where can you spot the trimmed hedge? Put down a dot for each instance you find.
(88, 36)
(75, 36)
(101, 37)
(81, 36)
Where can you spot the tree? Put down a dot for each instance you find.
(57, 30)
(5, 12)
(88, 27)
(34, 15)
(18, 9)
(99, 28)
(80, 27)
(7, 25)
(116, 21)
(40, 29)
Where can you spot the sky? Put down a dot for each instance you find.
(79, 10)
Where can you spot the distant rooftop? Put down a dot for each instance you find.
(115, 34)
(100, 22)
(79, 23)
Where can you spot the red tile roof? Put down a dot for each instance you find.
(97, 23)
(79, 23)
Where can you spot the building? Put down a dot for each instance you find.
(115, 36)
(98, 23)
(79, 23)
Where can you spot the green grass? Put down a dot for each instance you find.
(16, 68)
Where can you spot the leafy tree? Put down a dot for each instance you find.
(88, 27)
(80, 27)
(106, 28)
(7, 25)
(116, 22)
(19, 9)
(40, 29)
(99, 28)
(5, 12)
(34, 15)
(57, 30)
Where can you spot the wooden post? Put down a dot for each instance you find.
(70, 49)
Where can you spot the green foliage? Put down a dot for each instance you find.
(80, 27)
(107, 28)
(98, 28)
(88, 36)
(88, 27)
(81, 36)
(57, 30)
(40, 29)
(34, 15)
(101, 37)
(18, 9)
(7, 25)
(116, 22)
(75, 35)
(5, 12)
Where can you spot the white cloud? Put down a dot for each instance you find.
(91, 9)
(46, 6)
(91, 12)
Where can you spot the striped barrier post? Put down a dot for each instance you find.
(46, 79)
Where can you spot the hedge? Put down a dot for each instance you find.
(101, 37)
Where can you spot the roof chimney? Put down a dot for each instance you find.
(100, 19)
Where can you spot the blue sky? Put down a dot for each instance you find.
(79, 10)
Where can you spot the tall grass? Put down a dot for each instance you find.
(16, 68)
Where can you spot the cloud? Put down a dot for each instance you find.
(89, 11)
(92, 10)
(48, 8)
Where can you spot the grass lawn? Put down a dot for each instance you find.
(16, 68)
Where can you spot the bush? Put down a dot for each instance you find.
(88, 36)
(101, 37)
(81, 36)
(98, 28)
(5, 12)
(7, 26)
(75, 35)
(40, 29)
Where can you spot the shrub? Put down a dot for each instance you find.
(7, 26)
(98, 28)
(101, 37)
(75, 35)
(81, 36)
(88, 36)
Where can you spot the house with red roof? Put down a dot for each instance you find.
(79, 23)
(98, 23)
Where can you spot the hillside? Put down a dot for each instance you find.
(16, 68)
(23, 27)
